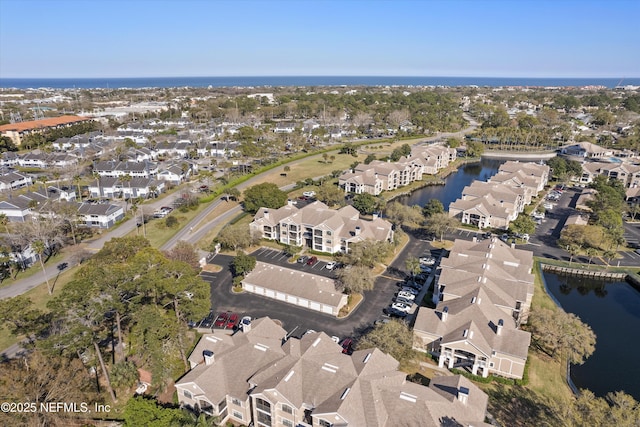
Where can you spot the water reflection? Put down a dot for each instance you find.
(583, 286)
(612, 309)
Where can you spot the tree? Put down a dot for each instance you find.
(355, 279)
(266, 195)
(367, 252)
(439, 223)
(243, 264)
(393, 338)
(19, 316)
(559, 333)
(433, 206)
(370, 158)
(403, 215)
(366, 203)
(413, 265)
(39, 248)
(184, 252)
(142, 411)
(234, 237)
(43, 379)
(330, 194)
(474, 148)
(523, 224)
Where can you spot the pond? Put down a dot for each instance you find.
(454, 184)
(612, 309)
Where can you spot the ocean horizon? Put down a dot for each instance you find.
(279, 81)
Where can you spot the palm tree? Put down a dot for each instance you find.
(77, 179)
(96, 176)
(39, 247)
(4, 221)
(127, 178)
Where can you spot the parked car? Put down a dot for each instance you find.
(309, 194)
(427, 260)
(400, 306)
(347, 346)
(221, 320)
(382, 321)
(406, 295)
(303, 259)
(392, 312)
(410, 290)
(404, 301)
(312, 261)
(411, 284)
(245, 321)
(547, 206)
(232, 321)
(330, 265)
(335, 339)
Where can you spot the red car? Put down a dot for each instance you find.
(232, 321)
(312, 260)
(221, 320)
(347, 346)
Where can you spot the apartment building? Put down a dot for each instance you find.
(482, 295)
(318, 227)
(260, 376)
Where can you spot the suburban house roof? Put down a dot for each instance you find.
(44, 123)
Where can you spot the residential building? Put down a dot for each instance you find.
(483, 293)
(101, 215)
(627, 173)
(300, 288)
(109, 188)
(14, 180)
(113, 168)
(17, 131)
(318, 227)
(586, 150)
(491, 264)
(262, 377)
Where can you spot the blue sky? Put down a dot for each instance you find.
(156, 38)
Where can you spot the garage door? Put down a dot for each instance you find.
(292, 299)
(281, 296)
(259, 290)
(249, 288)
(270, 293)
(314, 306)
(327, 309)
(303, 302)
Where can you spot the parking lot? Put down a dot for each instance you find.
(297, 320)
(279, 258)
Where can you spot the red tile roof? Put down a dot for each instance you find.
(44, 123)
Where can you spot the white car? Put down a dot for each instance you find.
(309, 194)
(406, 295)
(409, 290)
(548, 206)
(335, 339)
(427, 260)
(330, 265)
(401, 307)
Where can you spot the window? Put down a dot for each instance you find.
(286, 408)
(287, 423)
(236, 402)
(324, 423)
(328, 232)
(187, 394)
(236, 414)
(222, 405)
(264, 419)
(263, 405)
